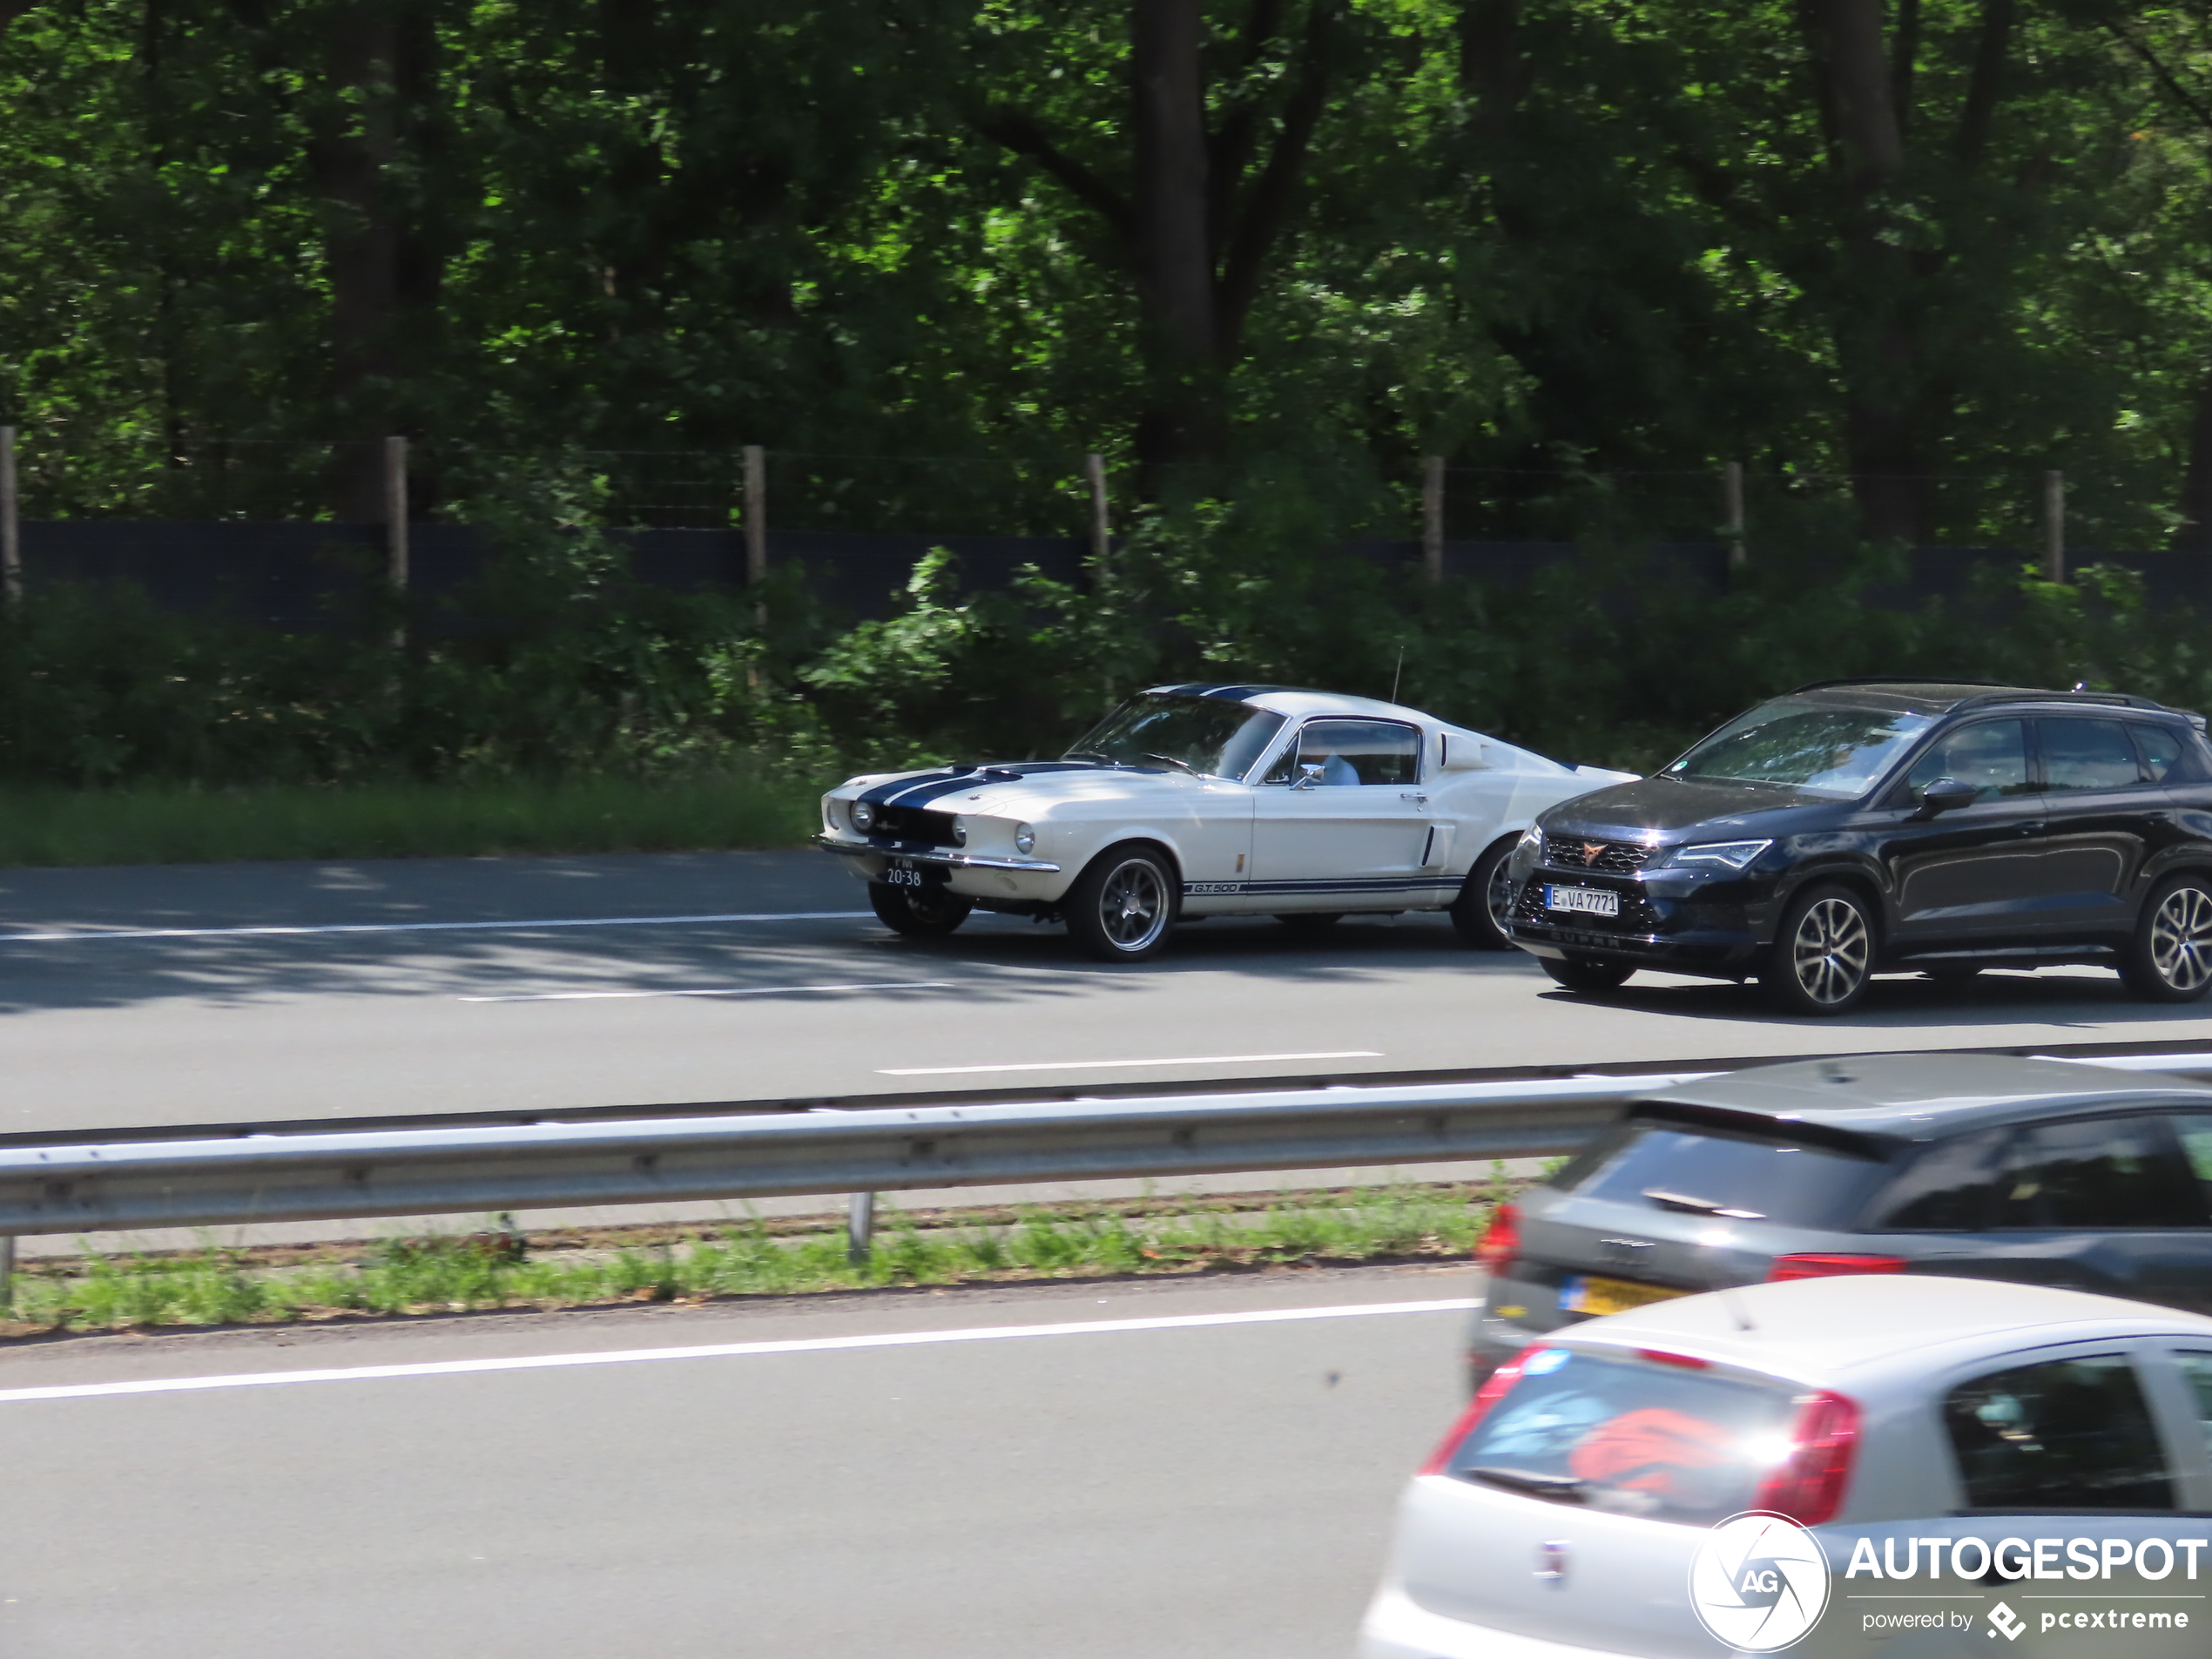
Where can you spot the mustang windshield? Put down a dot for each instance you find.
(1201, 734)
(1816, 747)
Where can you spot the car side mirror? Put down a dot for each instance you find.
(1947, 794)
(1308, 774)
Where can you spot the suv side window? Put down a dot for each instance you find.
(1360, 751)
(2065, 1434)
(2087, 754)
(2093, 1172)
(1991, 754)
(2161, 749)
(1950, 1188)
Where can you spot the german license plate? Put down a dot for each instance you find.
(904, 875)
(1597, 1297)
(1589, 901)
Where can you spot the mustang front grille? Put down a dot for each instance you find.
(912, 823)
(1614, 858)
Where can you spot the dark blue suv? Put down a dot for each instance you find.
(1854, 826)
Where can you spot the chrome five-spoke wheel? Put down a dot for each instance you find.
(1121, 908)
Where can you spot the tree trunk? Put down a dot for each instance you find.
(2193, 533)
(1183, 419)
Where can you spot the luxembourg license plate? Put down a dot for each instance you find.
(1597, 1297)
(1589, 901)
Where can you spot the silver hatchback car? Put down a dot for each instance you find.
(1838, 1466)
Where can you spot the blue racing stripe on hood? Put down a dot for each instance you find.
(919, 791)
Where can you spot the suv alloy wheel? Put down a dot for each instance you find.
(1823, 956)
(2169, 959)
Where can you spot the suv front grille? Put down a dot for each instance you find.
(1614, 858)
(1636, 915)
(912, 823)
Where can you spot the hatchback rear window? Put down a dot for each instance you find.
(1630, 1437)
(1700, 1173)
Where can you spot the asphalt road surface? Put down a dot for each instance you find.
(146, 997)
(1199, 1487)
(223, 994)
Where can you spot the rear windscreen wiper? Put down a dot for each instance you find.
(1562, 1488)
(1667, 1200)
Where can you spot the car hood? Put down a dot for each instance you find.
(1667, 809)
(1025, 788)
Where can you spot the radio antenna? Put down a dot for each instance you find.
(1398, 674)
(1726, 1294)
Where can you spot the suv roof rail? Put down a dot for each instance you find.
(1998, 692)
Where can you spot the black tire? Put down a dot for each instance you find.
(919, 912)
(1121, 908)
(2169, 959)
(1823, 956)
(1587, 975)
(1486, 900)
(1311, 921)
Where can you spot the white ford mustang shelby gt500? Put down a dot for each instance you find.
(1208, 800)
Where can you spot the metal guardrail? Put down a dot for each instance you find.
(239, 1181)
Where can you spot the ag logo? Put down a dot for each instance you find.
(1759, 1582)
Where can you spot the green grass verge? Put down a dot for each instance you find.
(400, 819)
(488, 1271)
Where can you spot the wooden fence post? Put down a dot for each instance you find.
(10, 530)
(1732, 513)
(1433, 519)
(1101, 529)
(2055, 526)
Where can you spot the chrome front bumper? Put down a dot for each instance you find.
(948, 861)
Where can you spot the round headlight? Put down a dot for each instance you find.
(960, 831)
(863, 816)
(1025, 837)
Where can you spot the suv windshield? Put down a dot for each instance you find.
(1640, 1440)
(1795, 743)
(1200, 734)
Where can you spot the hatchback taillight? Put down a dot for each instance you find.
(1808, 1483)
(1485, 1397)
(1500, 1241)
(1827, 1265)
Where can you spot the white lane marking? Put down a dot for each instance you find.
(1086, 1065)
(745, 990)
(726, 1350)
(77, 935)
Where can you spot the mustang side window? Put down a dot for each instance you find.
(2065, 1434)
(2087, 754)
(2097, 1173)
(1992, 756)
(2195, 1132)
(1360, 751)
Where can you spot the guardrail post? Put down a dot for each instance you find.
(859, 1228)
(10, 524)
(1732, 514)
(2055, 526)
(7, 1269)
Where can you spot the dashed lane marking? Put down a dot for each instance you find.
(77, 935)
(1087, 1065)
(726, 990)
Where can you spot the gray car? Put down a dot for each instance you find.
(2038, 1172)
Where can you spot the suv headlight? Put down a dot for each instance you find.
(863, 816)
(1532, 841)
(1721, 855)
(1025, 837)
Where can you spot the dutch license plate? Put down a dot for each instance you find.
(902, 876)
(1589, 901)
(1597, 1297)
